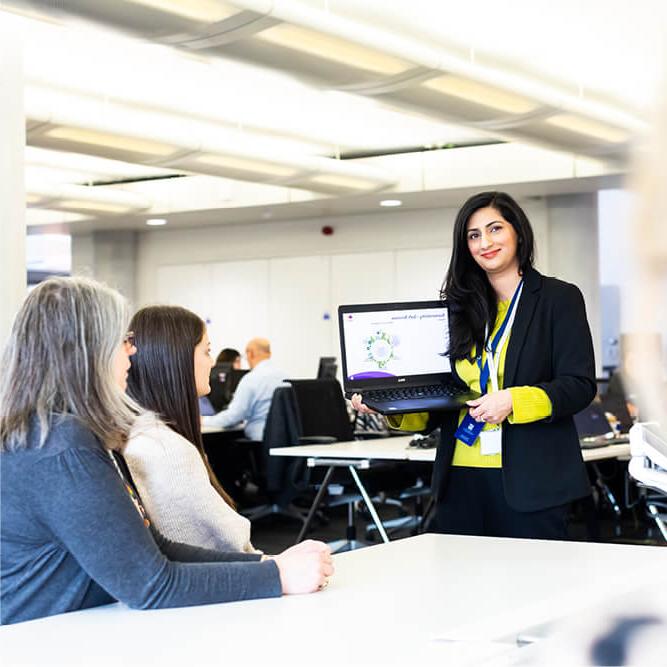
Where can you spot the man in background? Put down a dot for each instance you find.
(252, 398)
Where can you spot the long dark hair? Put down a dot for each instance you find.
(228, 355)
(162, 375)
(472, 301)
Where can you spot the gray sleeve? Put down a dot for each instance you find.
(82, 499)
(187, 553)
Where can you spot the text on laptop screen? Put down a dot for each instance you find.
(396, 343)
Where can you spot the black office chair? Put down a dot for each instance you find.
(223, 379)
(322, 410)
(323, 415)
(280, 479)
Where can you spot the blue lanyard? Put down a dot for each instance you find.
(491, 349)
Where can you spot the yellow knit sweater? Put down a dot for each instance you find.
(529, 404)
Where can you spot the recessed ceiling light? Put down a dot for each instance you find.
(156, 222)
(391, 202)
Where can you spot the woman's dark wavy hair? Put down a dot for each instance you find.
(162, 374)
(228, 355)
(472, 301)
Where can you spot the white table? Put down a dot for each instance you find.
(358, 454)
(397, 449)
(427, 600)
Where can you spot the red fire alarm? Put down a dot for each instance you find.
(327, 230)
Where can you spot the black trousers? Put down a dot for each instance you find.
(474, 504)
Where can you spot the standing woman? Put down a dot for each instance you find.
(165, 454)
(73, 533)
(510, 464)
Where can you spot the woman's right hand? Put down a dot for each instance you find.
(360, 406)
(305, 567)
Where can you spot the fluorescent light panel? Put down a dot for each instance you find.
(333, 49)
(206, 11)
(97, 207)
(49, 216)
(589, 128)
(480, 93)
(242, 164)
(345, 182)
(103, 139)
(76, 164)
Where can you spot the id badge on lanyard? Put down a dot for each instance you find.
(470, 429)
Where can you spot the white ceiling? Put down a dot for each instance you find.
(601, 58)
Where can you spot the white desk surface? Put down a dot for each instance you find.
(430, 599)
(396, 449)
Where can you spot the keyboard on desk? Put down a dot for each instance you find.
(603, 441)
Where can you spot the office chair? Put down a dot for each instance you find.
(280, 480)
(323, 415)
(223, 379)
(327, 368)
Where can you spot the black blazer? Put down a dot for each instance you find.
(550, 346)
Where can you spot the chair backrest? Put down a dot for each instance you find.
(283, 428)
(223, 380)
(327, 368)
(322, 410)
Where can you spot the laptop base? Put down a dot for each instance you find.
(411, 405)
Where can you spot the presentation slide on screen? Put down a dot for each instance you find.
(396, 343)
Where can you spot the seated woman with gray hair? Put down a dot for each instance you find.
(74, 533)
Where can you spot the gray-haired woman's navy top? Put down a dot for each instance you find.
(72, 538)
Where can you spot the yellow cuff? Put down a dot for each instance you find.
(412, 422)
(529, 404)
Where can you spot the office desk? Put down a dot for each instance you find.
(358, 454)
(387, 604)
(396, 449)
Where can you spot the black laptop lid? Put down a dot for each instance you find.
(394, 344)
(592, 421)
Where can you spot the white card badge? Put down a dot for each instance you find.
(491, 442)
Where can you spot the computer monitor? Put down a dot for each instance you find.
(223, 380)
(327, 368)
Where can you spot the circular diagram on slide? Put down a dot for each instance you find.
(380, 348)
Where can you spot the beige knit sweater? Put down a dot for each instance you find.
(175, 489)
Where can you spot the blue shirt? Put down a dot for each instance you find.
(72, 538)
(251, 401)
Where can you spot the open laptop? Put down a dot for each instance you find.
(594, 429)
(395, 355)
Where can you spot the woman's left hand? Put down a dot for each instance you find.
(492, 408)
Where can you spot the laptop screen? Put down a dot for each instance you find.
(390, 341)
(592, 421)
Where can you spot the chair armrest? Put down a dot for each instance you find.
(317, 440)
(362, 434)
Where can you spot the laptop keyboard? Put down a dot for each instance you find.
(429, 391)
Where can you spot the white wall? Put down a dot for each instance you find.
(619, 263)
(284, 280)
(573, 240)
(618, 258)
(108, 256)
(12, 191)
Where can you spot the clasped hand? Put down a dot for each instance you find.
(491, 408)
